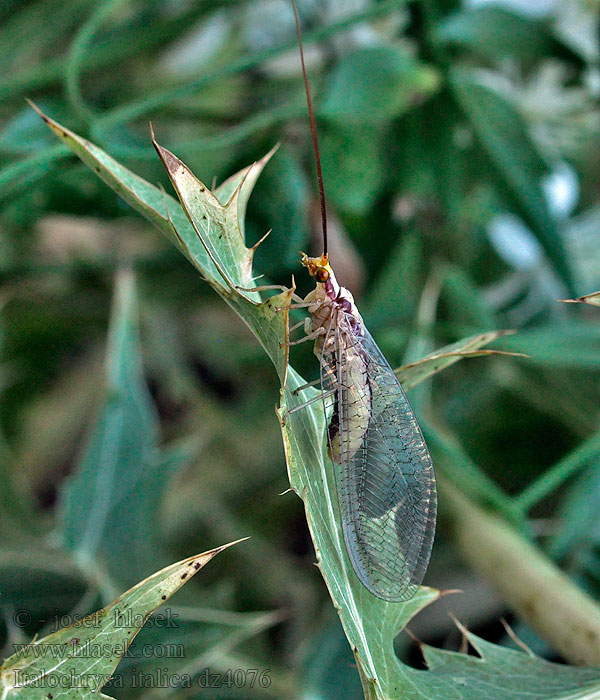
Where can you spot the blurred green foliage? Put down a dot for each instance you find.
(460, 154)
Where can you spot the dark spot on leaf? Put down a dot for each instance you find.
(164, 597)
(171, 161)
(196, 566)
(183, 576)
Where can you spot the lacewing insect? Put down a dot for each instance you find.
(383, 472)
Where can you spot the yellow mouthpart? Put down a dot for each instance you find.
(314, 264)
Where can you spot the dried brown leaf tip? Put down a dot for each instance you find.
(592, 299)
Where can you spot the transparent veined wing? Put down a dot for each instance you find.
(384, 473)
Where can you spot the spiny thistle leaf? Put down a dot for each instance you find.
(216, 247)
(73, 662)
(416, 372)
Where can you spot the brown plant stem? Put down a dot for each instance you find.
(530, 583)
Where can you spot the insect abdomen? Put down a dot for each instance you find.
(356, 391)
(355, 402)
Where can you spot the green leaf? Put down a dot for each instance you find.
(504, 137)
(208, 637)
(281, 204)
(120, 448)
(219, 228)
(109, 505)
(578, 535)
(328, 671)
(211, 219)
(464, 300)
(498, 672)
(37, 579)
(394, 293)
(352, 166)
(131, 532)
(78, 660)
(19, 176)
(451, 459)
(25, 134)
(158, 207)
(376, 84)
(21, 37)
(244, 180)
(370, 623)
(573, 344)
(583, 455)
(496, 32)
(416, 372)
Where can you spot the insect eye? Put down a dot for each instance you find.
(321, 275)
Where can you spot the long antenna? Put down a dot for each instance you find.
(313, 130)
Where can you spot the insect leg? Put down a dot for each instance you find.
(262, 288)
(307, 326)
(305, 386)
(297, 325)
(304, 305)
(269, 287)
(310, 336)
(318, 397)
